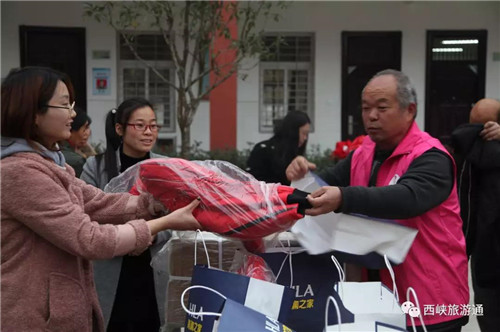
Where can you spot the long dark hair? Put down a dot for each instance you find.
(25, 92)
(119, 115)
(286, 136)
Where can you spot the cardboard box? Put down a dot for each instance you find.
(180, 260)
(181, 246)
(174, 314)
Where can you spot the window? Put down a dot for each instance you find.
(286, 78)
(165, 146)
(137, 80)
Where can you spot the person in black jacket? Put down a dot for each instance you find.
(477, 153)
(268, 160)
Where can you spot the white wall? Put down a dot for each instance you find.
(328, 19)
(62, 14)
(325, 18)
(98, 37)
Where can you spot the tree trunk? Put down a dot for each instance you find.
(185, 141)
(183, 111)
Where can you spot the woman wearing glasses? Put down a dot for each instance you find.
(52, 223)
(131, 294)
(131, 133)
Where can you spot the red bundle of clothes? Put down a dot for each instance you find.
(233, 203)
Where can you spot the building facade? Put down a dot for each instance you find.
(331, 48)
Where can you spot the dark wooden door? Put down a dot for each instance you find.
(363, 55)
(455, 79)
(62, 49)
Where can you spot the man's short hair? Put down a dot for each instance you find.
(80, 119)
(406, 93)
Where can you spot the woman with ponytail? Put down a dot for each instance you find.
(131, 133)
(131, 294)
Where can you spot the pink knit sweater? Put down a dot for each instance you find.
(52, 225)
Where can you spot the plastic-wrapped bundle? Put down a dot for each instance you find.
(252, 266)
(176, 260)
(233, 203)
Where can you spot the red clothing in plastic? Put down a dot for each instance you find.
(233, 203)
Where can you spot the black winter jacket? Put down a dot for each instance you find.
(266, 163)
(478, 165)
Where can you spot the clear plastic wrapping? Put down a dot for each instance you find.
(252, 266)
(177, 258)
(233, 202)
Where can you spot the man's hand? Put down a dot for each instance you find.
(298, 168)
(324, 200)
(491, 131)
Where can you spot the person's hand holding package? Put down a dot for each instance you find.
(181, 220)
(324, 200)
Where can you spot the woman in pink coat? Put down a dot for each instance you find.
(52, 223)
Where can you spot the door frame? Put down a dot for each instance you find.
(481, 35)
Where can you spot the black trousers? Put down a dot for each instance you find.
(449, 326)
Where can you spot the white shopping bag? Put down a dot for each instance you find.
(351, 234)
(374, 306)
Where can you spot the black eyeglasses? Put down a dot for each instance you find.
(70, 108)
(144, 127)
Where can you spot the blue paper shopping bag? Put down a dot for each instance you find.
(236, 317)
(232, 317)
(313, 278)
(270, 299)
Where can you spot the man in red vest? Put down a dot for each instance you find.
(400, 172)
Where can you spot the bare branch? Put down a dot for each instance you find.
(132, 49)
(197, 56)
(169, 38)
(187, 10)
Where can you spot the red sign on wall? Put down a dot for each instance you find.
(100, 81)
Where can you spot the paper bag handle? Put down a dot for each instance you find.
(339, 286)
(412, 291)
(200, 313)
(204, 246)
(339, 268)
(337, 310)
(393, 277)
(288, 256)
(342, 276)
